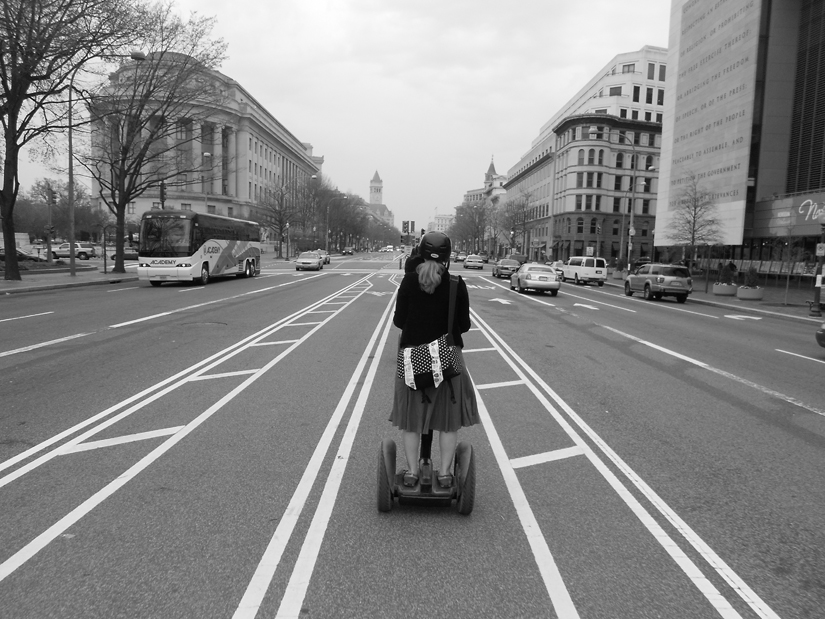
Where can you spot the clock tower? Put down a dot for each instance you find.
(376, 190)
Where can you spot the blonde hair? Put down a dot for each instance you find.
(429, 275)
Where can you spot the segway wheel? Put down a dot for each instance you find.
(465, 470)
(386, 475)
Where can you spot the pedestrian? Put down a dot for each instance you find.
(421, 313)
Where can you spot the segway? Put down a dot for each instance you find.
(427, 491)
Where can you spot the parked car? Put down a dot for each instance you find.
(347, 251)
(473, 262)
(485, 257)
(585, 270)
(23, 256)
(655, 281)
(461, 257)
(82, 251)
(129, 253)
(534, 276)
(324, 254)
(309, 260)
(820, 335)
(505, 267)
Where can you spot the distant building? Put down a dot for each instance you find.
(569, 180)
(376, 205)
(493, 186)
(746, 120)
(246, 152)
(441, 223)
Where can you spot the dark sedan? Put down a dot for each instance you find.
(505, 267)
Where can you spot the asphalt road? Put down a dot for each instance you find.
(189, 451)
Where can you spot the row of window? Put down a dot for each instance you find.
(594, 202)
(594, 179)
(651, 70)
(595, 157)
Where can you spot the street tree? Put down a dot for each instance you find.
(146, 119)
(693, 219)
(515, 215)
(43, 45)
(280, 208)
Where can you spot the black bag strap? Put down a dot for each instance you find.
(451, 310)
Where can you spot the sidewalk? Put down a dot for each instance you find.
(776, 301)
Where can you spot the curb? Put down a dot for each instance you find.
(28, 288)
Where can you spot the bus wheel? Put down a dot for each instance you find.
(204, 278)
(250, 269)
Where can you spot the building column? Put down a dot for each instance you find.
(232, 145)
(217, 159)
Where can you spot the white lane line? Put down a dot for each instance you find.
(733, 377)
(303, 324)
(466, 350)
(274, 343)
(122, 289)
(192, 289)
(259, 583)
(296, 589)
(198, 305)
(550, 456)
(509, 383)
(49, 535)
(323, 312)
(137, 401)
(27, 316)
(800, 356)
(42, 344)
(699, 580)
(223, 375)
(553, 582)
(120, 440)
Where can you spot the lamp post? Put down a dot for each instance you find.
(206, 182)
(135, 55)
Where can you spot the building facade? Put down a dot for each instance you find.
(245, 154)
(376, 205)
(746, 121)
(624, 105)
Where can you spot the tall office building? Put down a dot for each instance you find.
(746, 119)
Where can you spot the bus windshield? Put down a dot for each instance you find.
(166, 236)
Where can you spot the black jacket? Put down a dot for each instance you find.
(422, 317)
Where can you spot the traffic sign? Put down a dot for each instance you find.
(820, 249)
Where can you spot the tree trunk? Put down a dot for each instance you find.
(7, 199)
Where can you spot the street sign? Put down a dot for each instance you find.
(820, 249)
(632, 232)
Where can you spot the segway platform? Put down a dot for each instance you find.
(427, 491)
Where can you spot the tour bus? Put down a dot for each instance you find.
(185, 246)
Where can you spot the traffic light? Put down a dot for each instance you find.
(405, 227)
(402, 237)
(412, 227)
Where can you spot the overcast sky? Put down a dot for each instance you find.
(425, 91)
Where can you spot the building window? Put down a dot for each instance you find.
(623, 112)
(581, 156)
(661, 73)
(620, 160)
(617, 183)
(598, 179)
(651, 71)
(589, 179)
(648, 162)
(601, 157)
(634, 114)
(580, 225)
(210, 208)
(628, 68)
(601, 111)
(617, 206)
(230, 211)
(659, 118)
(648, 116)
(637, 91)
(591, 156)
(579, 179)
(588, 202)
(185, 206)
(615, 91)
(568, 225)
(615, 227)
(645, 207)
(593, 225)
(644, 228)
(637, 138)
(578, 202)
(155, 205)
(649, 96)
(660, 97)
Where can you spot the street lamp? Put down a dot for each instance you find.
(135, 55)
(206, 182)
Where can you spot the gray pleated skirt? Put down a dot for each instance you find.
(412, 413)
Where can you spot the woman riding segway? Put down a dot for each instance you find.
(421, 312)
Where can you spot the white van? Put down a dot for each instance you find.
(585, 270)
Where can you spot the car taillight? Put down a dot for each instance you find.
(660, 280)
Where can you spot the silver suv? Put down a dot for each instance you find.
(82, 251)
(655, 281)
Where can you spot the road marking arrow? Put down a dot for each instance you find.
(587, 306)
(501, 301)
(736, 317)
